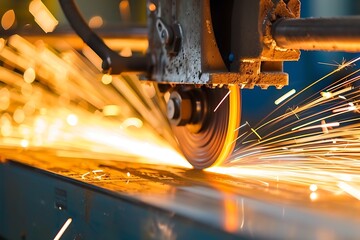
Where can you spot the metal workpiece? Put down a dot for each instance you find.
(151, 201)
(320, 34)
(40, 201)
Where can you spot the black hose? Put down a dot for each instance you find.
(112, 61)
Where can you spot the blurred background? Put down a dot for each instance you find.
(112, 12)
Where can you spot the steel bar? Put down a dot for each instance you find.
(325, 34)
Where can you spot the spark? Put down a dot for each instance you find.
(313, 196)
(62, 108)
(351, 108)
(72, 119)
(242, 126)
(313, 187)
(106, 79)
(29, 75)
(323, 126)
(84, 175)
(4, 98)
(297, 116)
(111, 110)
(235, 140)
(99, 177)
(95, 174)
(326, 95)
(243, 134)
(254, 131)
(250, 141)
(131, 122)
(243, 214)
(239, 158)
(92, 57)
(342, 97)
(351, 190)
(345, 177)
(222, 100)
(261, 124)
(63, 229)
(24, 143)
(43, 16)
(343, 64)
(285, 96)
(324, 157)
(294, 112)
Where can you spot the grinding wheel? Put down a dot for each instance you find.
(213, 141)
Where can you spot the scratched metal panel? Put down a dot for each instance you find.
(38, 203)
(131, 200)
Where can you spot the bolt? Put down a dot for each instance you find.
(179, 109)
(172, 109)
(176, 40)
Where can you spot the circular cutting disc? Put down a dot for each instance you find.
(215, 141)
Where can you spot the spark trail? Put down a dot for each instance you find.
(56, 102)
(316, 143)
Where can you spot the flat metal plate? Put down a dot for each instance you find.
(134, 200)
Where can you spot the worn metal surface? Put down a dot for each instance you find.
(221, 43)
(142, 201)
(36, 203)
